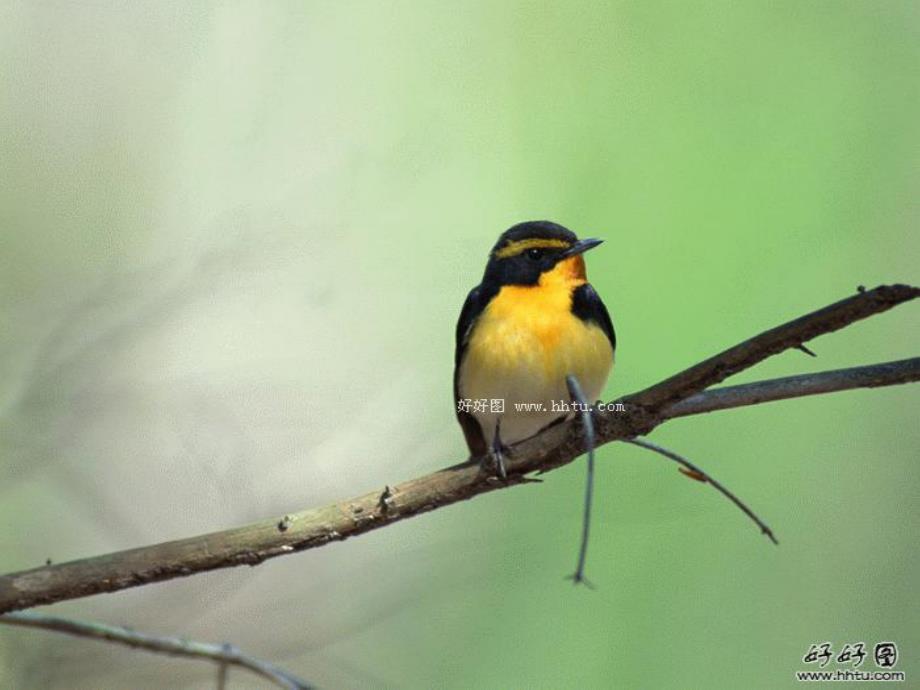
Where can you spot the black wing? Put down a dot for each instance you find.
(472, 308)
(587, 306)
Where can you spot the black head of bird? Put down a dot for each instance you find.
(526, 251)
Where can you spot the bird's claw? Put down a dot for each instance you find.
(494, 462)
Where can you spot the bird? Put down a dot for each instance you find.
(532, 321)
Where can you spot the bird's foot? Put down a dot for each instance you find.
(494, 461)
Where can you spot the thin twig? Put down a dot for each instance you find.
(805, 350)
(224, 655)
(556, 446)
(703, 476)
(587, 423)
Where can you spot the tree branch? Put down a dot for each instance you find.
(873, 376)
(679, 395)
(224, 655)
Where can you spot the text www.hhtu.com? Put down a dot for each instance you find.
(568, 406)
(845, 675)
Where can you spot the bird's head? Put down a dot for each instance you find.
(536, 253)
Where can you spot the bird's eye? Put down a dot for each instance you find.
(534, 254)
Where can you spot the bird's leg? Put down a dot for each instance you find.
(496, 452)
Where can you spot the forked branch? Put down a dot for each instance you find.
(677, 396)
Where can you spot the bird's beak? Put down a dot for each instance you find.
(580, 247)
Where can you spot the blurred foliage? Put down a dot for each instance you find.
(234, 241)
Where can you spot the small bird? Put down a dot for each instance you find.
(532, 321)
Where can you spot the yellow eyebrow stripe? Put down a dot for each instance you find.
(515, 248)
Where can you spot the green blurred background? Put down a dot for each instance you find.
(234, 240)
